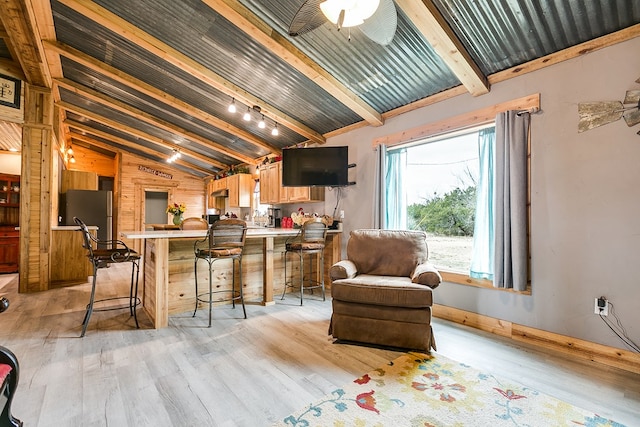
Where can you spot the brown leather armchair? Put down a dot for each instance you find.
(382, 292)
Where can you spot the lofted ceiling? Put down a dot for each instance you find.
(153, 76)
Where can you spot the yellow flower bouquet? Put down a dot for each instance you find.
(176, 209)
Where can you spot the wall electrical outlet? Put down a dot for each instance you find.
(601, 306)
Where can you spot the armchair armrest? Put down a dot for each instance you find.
(344, 269)
(426, 274)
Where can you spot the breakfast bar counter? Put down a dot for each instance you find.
(168, 278)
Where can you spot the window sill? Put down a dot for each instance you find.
(463, 279)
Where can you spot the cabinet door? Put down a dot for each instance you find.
(9, 253)
(284, 191)
(299, 194)
(234, 194)
(264, 185)
(269, 184)
(245, 190)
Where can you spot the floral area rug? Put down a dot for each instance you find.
(432, 391)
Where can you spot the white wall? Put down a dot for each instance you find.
(585, 207)
(10, 163)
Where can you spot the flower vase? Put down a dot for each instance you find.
(177, 219)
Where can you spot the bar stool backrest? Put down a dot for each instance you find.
(227, 233)
(86, 237)
(314, 232)
(194, 223)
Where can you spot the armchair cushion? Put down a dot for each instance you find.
(344, 269)
(426, 274)
(387, 252)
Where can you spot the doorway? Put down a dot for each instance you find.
(155, 207)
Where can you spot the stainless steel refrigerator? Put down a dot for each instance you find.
(92, 207)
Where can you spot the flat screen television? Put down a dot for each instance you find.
(315, 167)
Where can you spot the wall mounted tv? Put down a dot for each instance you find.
(315, 167)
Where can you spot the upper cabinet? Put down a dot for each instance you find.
(272, 191)
(240, 188)
(10, 190)
(269, 184)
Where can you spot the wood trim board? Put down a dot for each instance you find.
(569, 346)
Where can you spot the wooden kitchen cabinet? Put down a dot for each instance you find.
(272, 191)
(9, 190)
(269, 184)
(240, 188)
(69, 262)
(9, 249)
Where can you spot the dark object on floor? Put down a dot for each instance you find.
(382, 291)
(4, 304)
(9, 373)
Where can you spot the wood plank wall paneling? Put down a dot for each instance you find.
(181, 272)
(133, 182)
(92, 161)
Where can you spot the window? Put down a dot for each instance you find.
(441, 180)
(438, 194)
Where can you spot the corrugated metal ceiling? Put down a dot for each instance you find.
(498, 34)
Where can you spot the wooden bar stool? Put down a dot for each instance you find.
(224, 240)
(311, 241)
(101, 258)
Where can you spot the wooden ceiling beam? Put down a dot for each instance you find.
(137, 36)
(11, 68)
(149, 151)
(130, 131)
(122, 107)
(240, 16)
(431, 24)
(19, 21)
(155, 93)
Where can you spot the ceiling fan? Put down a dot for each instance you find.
(594, 114)
(377, 19)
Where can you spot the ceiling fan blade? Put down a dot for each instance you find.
(632, 97)
(381, 26)
(307, 18)
(594, 114)
(632, 117)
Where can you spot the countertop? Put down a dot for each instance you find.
(174, 234)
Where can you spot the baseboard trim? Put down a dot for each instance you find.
(574, 347)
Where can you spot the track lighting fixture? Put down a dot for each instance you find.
(232, 106)
(275, 131)
(261, 123)
(175, 156)
(247, 115)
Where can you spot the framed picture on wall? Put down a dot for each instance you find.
(10, 91)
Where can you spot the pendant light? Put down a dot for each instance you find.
(247, 115)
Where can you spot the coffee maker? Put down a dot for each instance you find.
(275, 217)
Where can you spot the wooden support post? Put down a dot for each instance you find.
(36, 188)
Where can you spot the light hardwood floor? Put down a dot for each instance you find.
(240, 372)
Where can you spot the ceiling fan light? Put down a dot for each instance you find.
(355, 11)
(232, 106)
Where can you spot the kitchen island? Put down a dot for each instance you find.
(168, 272)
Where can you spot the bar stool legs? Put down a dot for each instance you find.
(312, 284)
(134, 301)
(207, 298)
